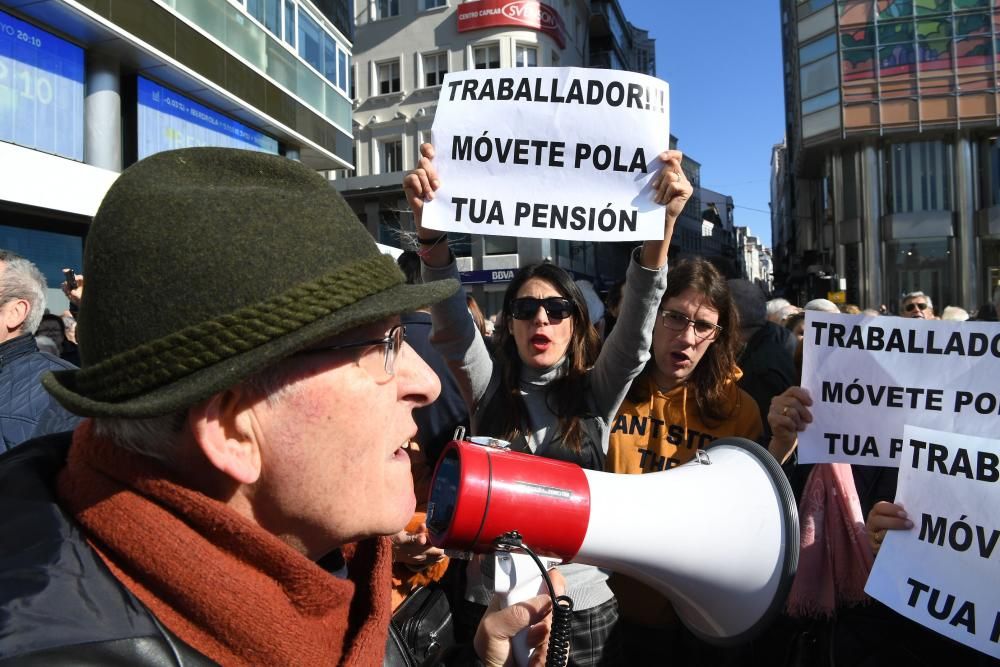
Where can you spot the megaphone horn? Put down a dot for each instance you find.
(718, 536)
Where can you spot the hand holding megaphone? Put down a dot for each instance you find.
(733, 499)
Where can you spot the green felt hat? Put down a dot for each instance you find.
(205, 265)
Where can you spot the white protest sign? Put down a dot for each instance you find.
(868, 376)
(549, 152)
(944, 572)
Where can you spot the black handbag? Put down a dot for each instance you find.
(423, 621)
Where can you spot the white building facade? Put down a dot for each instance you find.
(403, 49)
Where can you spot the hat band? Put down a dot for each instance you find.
(159, 362)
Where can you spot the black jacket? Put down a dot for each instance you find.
(59, 603)
(26, 409)
(768, 368)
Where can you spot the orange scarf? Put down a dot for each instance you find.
(226, 587)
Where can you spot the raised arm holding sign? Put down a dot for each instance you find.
(670, 188)
(546, 389)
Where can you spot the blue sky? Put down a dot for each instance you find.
(722, 59)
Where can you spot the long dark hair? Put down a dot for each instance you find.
(566, 395)
(707, 381)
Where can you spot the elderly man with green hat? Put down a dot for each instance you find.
(248, 390)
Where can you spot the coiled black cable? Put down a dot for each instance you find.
(560, 632)
(562, 605)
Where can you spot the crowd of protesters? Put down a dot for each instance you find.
(208, 446)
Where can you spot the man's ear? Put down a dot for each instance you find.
(15, 313)
(221, 427)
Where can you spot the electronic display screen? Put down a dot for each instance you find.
(41, 89)
(169, 120)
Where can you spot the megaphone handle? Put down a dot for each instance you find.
(517, 578)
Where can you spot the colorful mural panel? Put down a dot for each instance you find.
(855, 12)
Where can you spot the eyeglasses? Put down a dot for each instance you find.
(913, 305)
(556, 307)
(393, 343)
(679, 322)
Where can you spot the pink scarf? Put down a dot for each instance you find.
(834, 555)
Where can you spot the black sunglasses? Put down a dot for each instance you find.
(913, 305)
(525, 308)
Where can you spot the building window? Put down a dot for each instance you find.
(343, 69)
(919, 264)
(818, 49)
(390, 156)
(431, 4)
(527, 56)
(919, 176)
(290, 22)
(388, 77)
(819, 77)
(329, 59)
(386, 8)
(487, 56)
(311, 42)
(268, 12)
(435, 67)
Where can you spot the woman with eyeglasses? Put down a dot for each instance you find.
(547, 390)
(685, 398)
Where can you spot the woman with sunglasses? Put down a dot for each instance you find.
(685, 398)
(547, 390)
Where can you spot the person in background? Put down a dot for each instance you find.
(612, 306)
(778, 309)
(26, 410)
(917, 305)
(546, 389)
(230, 495)
(955, 314)
(797, 325)
(686, 397)
(69, 325)
(47, 345)
(850, 309)
(766, 349)
(53, 327)
(822, 306)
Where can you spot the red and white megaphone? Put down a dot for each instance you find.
(718, 536)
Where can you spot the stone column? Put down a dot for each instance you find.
(871, 226)
(102, 113)
(967, 268)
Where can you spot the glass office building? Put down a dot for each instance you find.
(890, 177)
(90, 86)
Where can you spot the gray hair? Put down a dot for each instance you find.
(954, 313)
(157, 437)
(775, 306)
(917, 295)
(22, 280)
